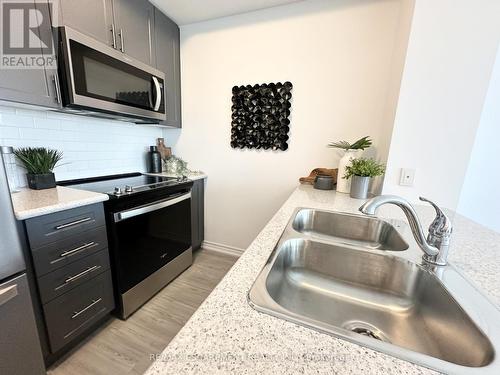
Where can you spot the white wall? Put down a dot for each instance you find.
(340, 57)
(91, 147)
(479, 199)
(450, 57)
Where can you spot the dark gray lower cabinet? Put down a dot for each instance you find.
(71, 314)
(70, 265)
(198, 213)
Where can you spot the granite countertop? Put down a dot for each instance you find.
(191, 176)
(225, 335)
(29, 203)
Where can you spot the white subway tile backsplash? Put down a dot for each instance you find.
(38, 134)
(8, 132)
(6, 109)
(91, 147)
(47, 123)
(12, 119)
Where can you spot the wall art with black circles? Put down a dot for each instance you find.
(260, 116)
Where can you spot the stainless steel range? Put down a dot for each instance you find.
(149, 232)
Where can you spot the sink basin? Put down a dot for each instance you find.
(386, 300)
(352, 229)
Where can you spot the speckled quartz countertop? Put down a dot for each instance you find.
(29, 203)
(191, 176)
(226, 336)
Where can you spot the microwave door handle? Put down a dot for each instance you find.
(123, 215)
(158, 94)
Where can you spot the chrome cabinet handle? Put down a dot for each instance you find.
(7, 294)
(158, 94)
(113, 35)
(57, 88)
(77, 249)
(62, 226)
(83, 273)
(122, 41)
(78, 313)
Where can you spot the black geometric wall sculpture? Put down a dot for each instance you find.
(260, 116)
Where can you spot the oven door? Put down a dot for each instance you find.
(148, 237)
(98, 77)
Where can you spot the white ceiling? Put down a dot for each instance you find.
(190, 11)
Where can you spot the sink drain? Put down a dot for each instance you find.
(366, 330)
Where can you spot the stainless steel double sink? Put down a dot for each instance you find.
(362, 279)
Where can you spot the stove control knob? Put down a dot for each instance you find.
(118, 190)
(128, 189)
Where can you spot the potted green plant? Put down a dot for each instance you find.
(362, 170)
(351, 150)
(39, 162)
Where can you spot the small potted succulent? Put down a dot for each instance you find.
(351, 150)
(361, 171)
(39, 162)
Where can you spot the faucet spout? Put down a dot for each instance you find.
(431, 252)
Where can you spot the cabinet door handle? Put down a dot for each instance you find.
(122, 41)
(7, 294)
(83, 273)
(55, 78)
(78, 313)
(113, 36)
(62, 226)
(77, 249)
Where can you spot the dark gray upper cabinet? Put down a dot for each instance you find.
(123, 24)
(135, 27)
(30, 86)
(167, 43)
(133, 22)
(91, 17)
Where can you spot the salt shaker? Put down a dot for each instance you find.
(9, 161)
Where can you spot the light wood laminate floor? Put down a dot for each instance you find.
(125, 347)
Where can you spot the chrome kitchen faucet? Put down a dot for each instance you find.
(437, 243)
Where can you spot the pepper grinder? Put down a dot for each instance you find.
(154, 160)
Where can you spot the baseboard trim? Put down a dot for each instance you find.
(226, 249)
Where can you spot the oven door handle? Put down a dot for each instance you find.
(123, 215)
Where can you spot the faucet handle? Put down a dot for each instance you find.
(441, 225)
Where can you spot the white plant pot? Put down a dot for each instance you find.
(344, 185)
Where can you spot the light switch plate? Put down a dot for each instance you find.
(407, 177)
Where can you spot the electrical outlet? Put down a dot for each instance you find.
(407, 177)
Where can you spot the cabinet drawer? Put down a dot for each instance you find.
(74, 312)
(64, 252)
(66, 278)
(45, 229)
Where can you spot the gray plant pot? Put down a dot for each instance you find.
(41, 181)
(359, 187)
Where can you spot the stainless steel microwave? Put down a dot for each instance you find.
(98, 80)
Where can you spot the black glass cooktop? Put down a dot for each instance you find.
(118, 185)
